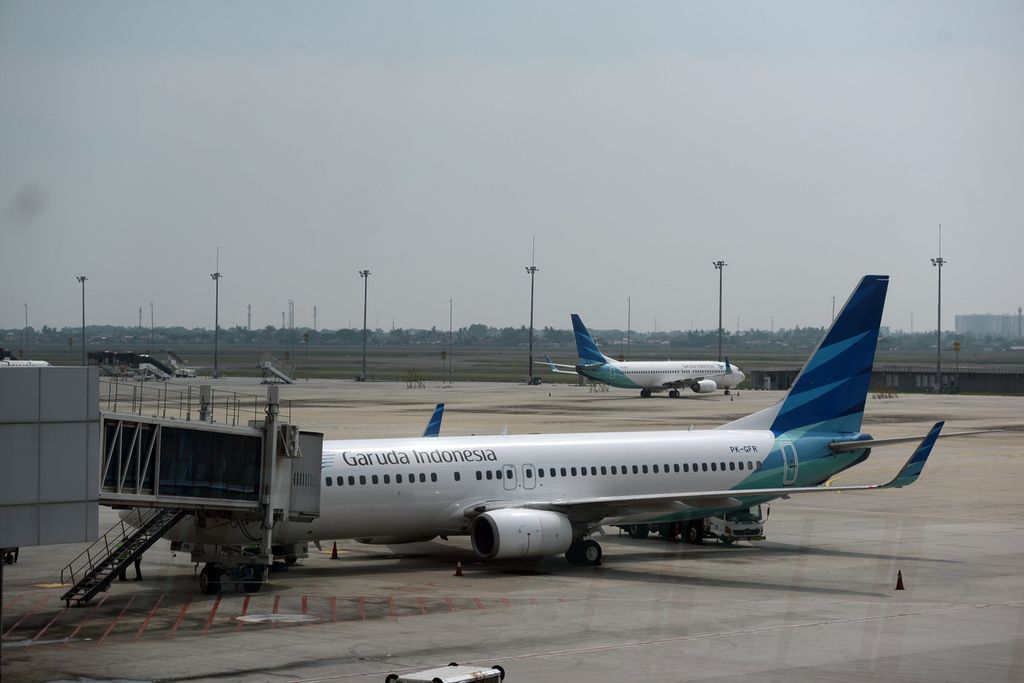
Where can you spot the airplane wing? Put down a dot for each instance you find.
(553, 367)
(598, 507)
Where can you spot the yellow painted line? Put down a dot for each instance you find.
(50, 585)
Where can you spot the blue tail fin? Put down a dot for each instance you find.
(830, 391)
(434, 426)
(586, 347)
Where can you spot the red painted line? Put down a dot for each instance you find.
(391, 607)
(451, 605)
(506, 602)
(533, 601)
(30, 611)
(277, 603)
(362, 608)
(305, 604)
(10, 604)
(423, 605)
(479, 604)
(334, 608)
(145, 622)
(213, 613)
(181, 618)
(245, 609)
(82, 622)
(117, 619)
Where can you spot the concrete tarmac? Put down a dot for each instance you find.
(815, 601)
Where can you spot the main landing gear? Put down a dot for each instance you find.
(645, 393)
(585, 553)
(213, 578)
(674, 393)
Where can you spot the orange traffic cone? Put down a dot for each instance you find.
(899, 581)
(458, 568)
(334, 551)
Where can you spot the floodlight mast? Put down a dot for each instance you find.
(216, 321)
(939, 262)
(532, 270)
(81, 279)
(365, 274)
(720, 267)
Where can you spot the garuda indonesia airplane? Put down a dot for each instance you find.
(701, 376)
(535, 495)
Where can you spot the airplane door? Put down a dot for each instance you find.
(790, 463)
(508, 476)
(529, 476)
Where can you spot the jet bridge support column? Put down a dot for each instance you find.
(269, 466)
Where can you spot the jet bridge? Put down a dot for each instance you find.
(191, 472)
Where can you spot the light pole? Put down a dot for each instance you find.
(365, 274)
(532, 270)
(939, 262)
(216, 320)
(82, 279)
(151, 327)
(629, 323)
(719, 266)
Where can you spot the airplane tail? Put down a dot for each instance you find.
(831, 389)
(586, 347)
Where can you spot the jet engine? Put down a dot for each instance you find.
(704, 386)
(517, 533)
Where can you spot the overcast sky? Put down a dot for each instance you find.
(804, 143)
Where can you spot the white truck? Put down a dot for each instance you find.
(743, 525)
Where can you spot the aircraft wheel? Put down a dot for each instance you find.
(645, 393)
(674, 393)
(590, 553)
(694, 532)
(209, 579)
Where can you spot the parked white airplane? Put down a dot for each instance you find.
(8, 363)
(536, 495)
(701, 376)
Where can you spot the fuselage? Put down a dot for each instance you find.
(423, 487)
(662, 375)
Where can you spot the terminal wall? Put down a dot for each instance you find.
(49, 455)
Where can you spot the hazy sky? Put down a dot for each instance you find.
(804, 143)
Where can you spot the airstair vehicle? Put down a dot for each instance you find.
(273, 371)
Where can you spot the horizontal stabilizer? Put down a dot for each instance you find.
(845, 446)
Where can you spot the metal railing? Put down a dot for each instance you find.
(105, 546)
(182, 401)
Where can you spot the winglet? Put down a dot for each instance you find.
(912, 469)
(434, 426)
(551, 363)
(728, 367)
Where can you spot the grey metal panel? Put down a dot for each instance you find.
(92, 469)
(19, 526)
(63, 462)
(19, 394)
(66, 522)
(93, 395)
(19, 463)
(64, 393)
(305, 493)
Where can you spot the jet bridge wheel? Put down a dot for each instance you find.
(209, 579)
(584, 553)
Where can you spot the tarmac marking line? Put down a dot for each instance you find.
(423, 605)
(479, 603)
(145, 622)
(181, 617)
(30, 611)
(334, 608)
(506, 602)
(277, 604)
(117, 619)
(213, 613)
(82, 622)
(362, 608)
(305, 604)
(451, 604)
(391, 607)
(245, 610)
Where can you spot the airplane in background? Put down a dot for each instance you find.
(530, 496)
(700, 376)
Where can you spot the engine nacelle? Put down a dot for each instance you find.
(393, 540)
(704, 386)
(517, 534)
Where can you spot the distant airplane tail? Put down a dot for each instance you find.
(831, 389)
(586, 347)
(434, 426)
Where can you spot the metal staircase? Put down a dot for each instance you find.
(96, 568)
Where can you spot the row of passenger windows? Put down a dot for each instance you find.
(553, 472)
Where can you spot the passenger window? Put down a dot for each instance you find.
(328, 481)
(732, 466)
(433, 476)
(573, 470)
(479, 475)
(458, 477)
(686, 467)
(750, 465)
(398, 478)
(644, 469)
(375, 480)
(387, 478)
(497, 474)
(704, 466)
(351, 480)
(362, 480)
(636, 470)
(741, 464)
(676, 467)
(583, 471)
(423, 478)
(604, 470)
(490, 475)
(614, 470)
(722, 465)
(714, 467)
(563, 471)
(656, 469)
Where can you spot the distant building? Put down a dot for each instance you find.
(1008, 325)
